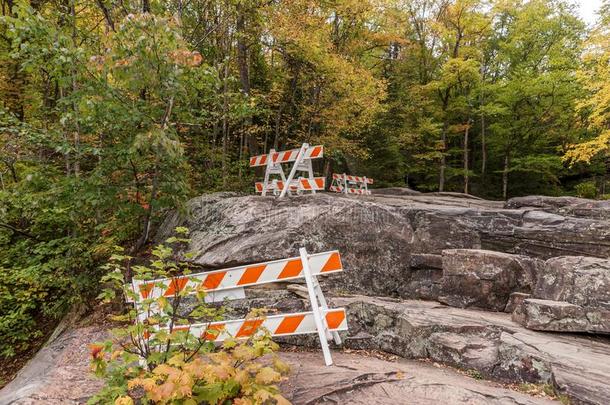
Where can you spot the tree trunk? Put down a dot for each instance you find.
(441, 177)
(76, 165)
(225, 123)
(244, 73)
(505, 174)
(107, 15)
(466, 157)
(483, 149)
(155, 183)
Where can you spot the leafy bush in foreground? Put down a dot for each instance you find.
(158, 360)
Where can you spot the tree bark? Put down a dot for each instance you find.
(483, 148)
(76, 164)
(443, 163)
(107, 15)
(466, 157)
(225, 123)
(155, 183)
(244, 70)
(505, 174)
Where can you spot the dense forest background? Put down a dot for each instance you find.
(113, 111)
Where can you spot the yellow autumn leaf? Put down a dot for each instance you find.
(280, 400)
(177, 360)
(261, 396)
(243, 401)
(123, 401)
(267, 375)
(281, 366)
(244, 353)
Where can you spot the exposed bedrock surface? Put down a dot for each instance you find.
(365, 380)
(488, 342)
(59, 375)
(544, 258)
(485, 279)
(572, 294)
(390, 244)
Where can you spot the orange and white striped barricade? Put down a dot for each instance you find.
(301, 159)
(348, 184)
(229, 284)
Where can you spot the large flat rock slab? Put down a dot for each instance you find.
(59, 373)
(489, 342)
(357, 379)
(378, 235)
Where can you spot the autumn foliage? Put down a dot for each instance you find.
(157, 360)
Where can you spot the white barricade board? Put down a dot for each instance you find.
(348, 184)
(228, 284)
(301, 161)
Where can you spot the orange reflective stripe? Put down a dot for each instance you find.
(289, 324)
(212, 281)
(145, 289)
(305, 184)
(320, 182)
(175, 286)
(213, 331)
(334, 319)
(316, 151)
(333, 263)
(249, 327)
(292, 269)
(251, 275)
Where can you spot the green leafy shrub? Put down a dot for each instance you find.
(42, 261)
(159, 360)
(586, 189)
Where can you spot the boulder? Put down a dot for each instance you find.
(373, 239)
(572, 295)
(395, 191)
(561, 316)
(377, 235)
(484, 279)
(515, 300)
(578, 280)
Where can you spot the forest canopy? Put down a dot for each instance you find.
(114, 111)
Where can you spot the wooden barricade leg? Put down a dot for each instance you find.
(315, 308)
(345, 183)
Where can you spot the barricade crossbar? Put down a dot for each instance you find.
(348, 184)
(301, 159)
(227, 284)
(298, 323)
